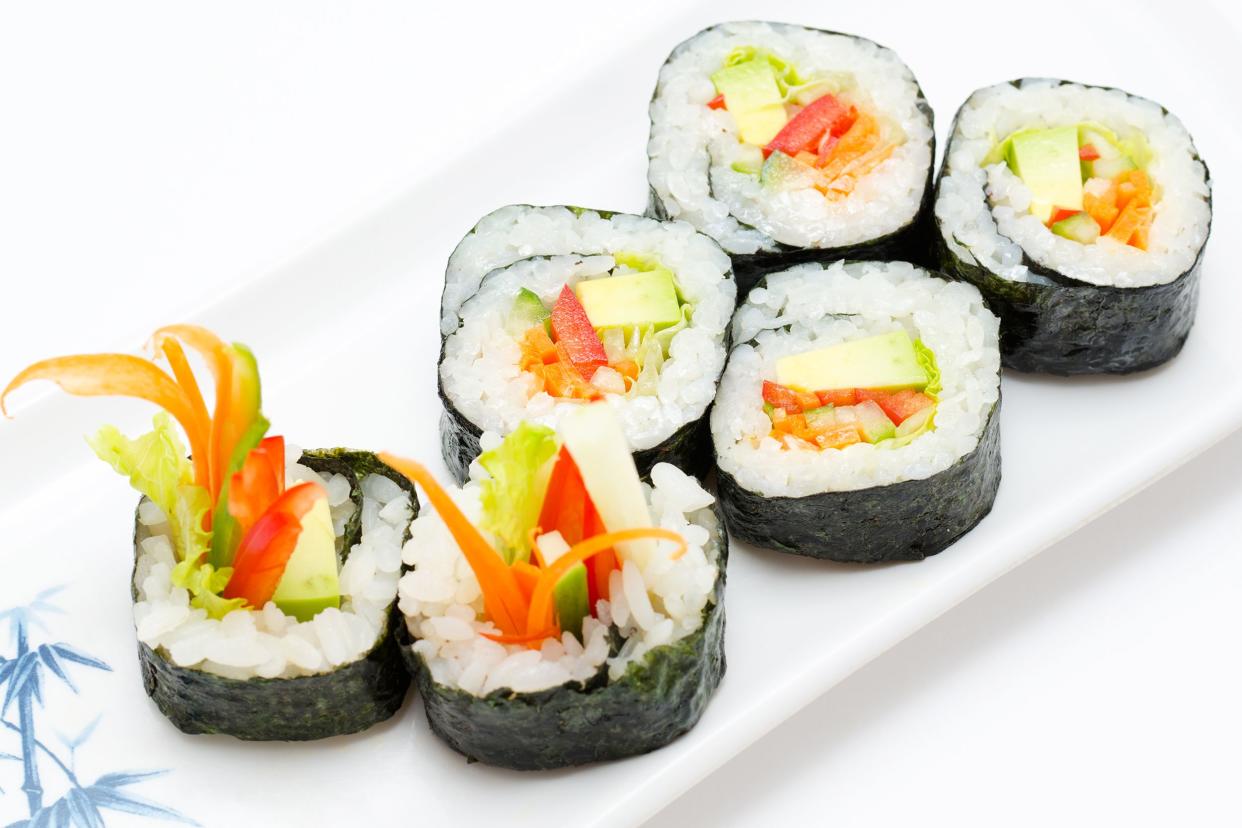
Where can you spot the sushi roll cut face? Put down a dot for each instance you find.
(550, 622)
(546, 309)
(856, 419)
(786, 143)
(1082, 213)
(264, 578)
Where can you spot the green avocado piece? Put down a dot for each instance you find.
(528, 311)
(887, 362)
(753, 99)
(873, 422)
(1079, 227)
(311, 582)
(570, 598)
(647, 298)
(1047, 162)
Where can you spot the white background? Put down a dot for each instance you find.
(154, 156)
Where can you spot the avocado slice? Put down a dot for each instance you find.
(1079, 227)
(1047, 162)
(571, 600)
(753, 99)
(311, 581)
(647, 298)
(885, 363)
(528, 311)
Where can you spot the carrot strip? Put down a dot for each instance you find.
(501, 594)
(106, 375)
(540, 613)
(522, 638)
(220, 361)
(199, 451)
(527, 576)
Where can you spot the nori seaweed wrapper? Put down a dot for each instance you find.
(909, 243)
(1059, 325)
(349, 699)
(657, 700)
(688, 448)
(905, 521)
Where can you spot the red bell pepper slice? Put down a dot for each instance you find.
(1088, 152)
(565, 503)
(266, 548)
(778, 396)
(574, 330)
(898, 405)
(838, 397)
(717, 102)
(259, 482)
(825, 114)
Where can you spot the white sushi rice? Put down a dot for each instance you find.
(984, 212)
(480, 370)
(692, 147)
(266, 643)
(650, 606)
(815, 306)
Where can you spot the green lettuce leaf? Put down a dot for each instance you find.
(513, 496)
(156, 465)
(927, 358)
(205, 583)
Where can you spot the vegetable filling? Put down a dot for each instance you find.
(1086, 182)
(880, 390)
(800, 132)
(606, 335)
(240, 536)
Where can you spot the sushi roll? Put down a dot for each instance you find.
(1082, 214)
(858, 417)
(788, 144)
(560, 611)
(547, 308)
(264, 578)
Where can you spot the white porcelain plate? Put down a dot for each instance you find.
(358, 368)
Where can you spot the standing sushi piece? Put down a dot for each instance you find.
(265, 578)
(788, 144)
(1082, 214)
(858, 417)
(548, 308)
(553, 623)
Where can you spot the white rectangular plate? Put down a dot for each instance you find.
(352, 362)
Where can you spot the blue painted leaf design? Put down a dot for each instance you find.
(23, 669)
(75, 655)
(114, 800)
(49, 658)
(82, 810)
(85, 733)
(6, 668)
(10, 756)
(120, 780)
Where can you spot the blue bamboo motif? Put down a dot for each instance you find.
(22, 679)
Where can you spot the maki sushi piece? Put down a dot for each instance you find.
(1082, 214)
(858, 417)
(264, 577)
(559, 610)
(788, 144)
(548, 308)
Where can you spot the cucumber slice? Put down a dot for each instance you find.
(528, 311)
(1079, 227)
(1111, 167)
